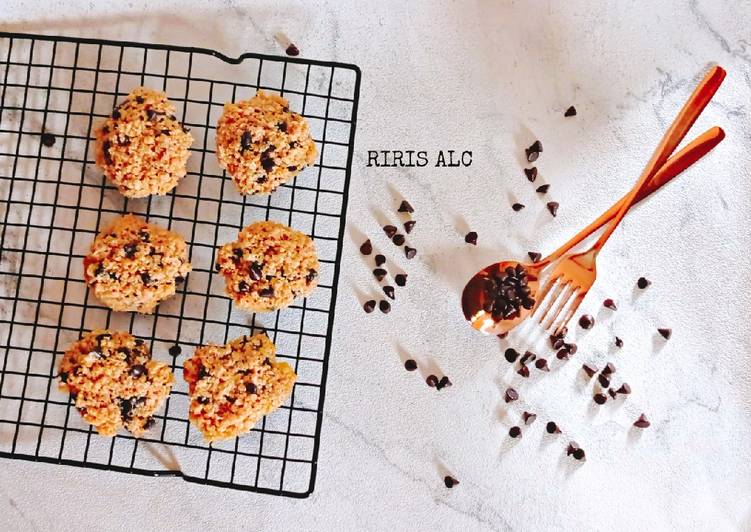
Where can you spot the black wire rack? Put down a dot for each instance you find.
(53, 199)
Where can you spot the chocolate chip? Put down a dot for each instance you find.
(609, 369)
(589, 370)
(534, 256)
(531, 173)
(515, 432)
(99, 270)
(137, 370)
(292, 168)
(553, 207)
(203, 373)
(146, 278)
(379, 273)
(562, 354)
(572, 446)
(389, 291)
(410, 365)
(445, 382)
(571, 111)
(609, 303)
(267, 160)
(533, 152)
(604, 380)
(366, 248)
(267, 362)
(126, 408)
(400, 279)
(643, 282)
(130, 250)
(612, 393)
(266, 292)
(175, 350)
(579, 455)
(665, 333)
(48, 139)
(250, 387)
(511, 355)
(246, 141)
(139, 99)
(586, 321)
(243, 287)
(571, 348)
(471, 238)
(409, 225)
(523, 371)
(432, 381)
(369, 306)
(552, 428)
(618, 342)
(450, 481)
(517, 207)
(398, 239)
(390, 230)
(292, 50)
(600, 398)
(255, 271)
(528, 356)
(64, 376)
(380, 260)
(510, 395)
(410, 252)
(406, 207)
(282, 126)
(542, 364)
(179, 279)
(116, 114)
(543, 189)
(529, 417)
(642, 422)
(625, 389)
(203, 400)
(385, 306)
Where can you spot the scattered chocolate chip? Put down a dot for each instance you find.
(579, 455)
(398, 239)
(400, 279)
(589, 370)
(529, 417)
(562, 354)
(379, 273)
(385, 306)
(48, 139)
(150, 422)
(380, 260)
(292, 50)
(609, 369)
(572, 446)
(369, 306)
(432, 381)
(502, 335)
(609, 303)
(612, 393)
(137, 370)
(517, 207)
(250, 387)
(410, 252)
(618, 342)
(534, 256)
(571, 111)
(600, 398)
(515, 432)
(604, 380)
(523, 371)
(410, 365)
(531, 173)
(586, 321)
(445, 382)
(389, 291)
(665, 333)
(409, 225)
(543, 189)
(642, 422)
(533, 152)
(643, 282)
(553, 207)
(406, 207)
(528, 356)
(390, 230)
(450, 481)
(266, 292)
(366, 248)
(175, 350)
(511, 355)
(471, 238)
(510, 395)
(542, 364)
(552, 428)
(625, 389)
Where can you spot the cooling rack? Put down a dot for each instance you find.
(53, 199)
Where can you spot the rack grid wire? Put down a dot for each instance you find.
(53, 199)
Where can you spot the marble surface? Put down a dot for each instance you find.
(491, 77)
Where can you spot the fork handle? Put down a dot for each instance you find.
(686, 157)
(673, 136)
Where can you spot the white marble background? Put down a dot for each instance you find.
(491, 77)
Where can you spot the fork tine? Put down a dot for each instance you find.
(572, 309)
(563, 299)
(552, 300)
(544, 292)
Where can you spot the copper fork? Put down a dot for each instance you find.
(574, 275)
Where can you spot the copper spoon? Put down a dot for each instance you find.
(474, 296)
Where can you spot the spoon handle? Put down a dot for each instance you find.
(686, 157)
